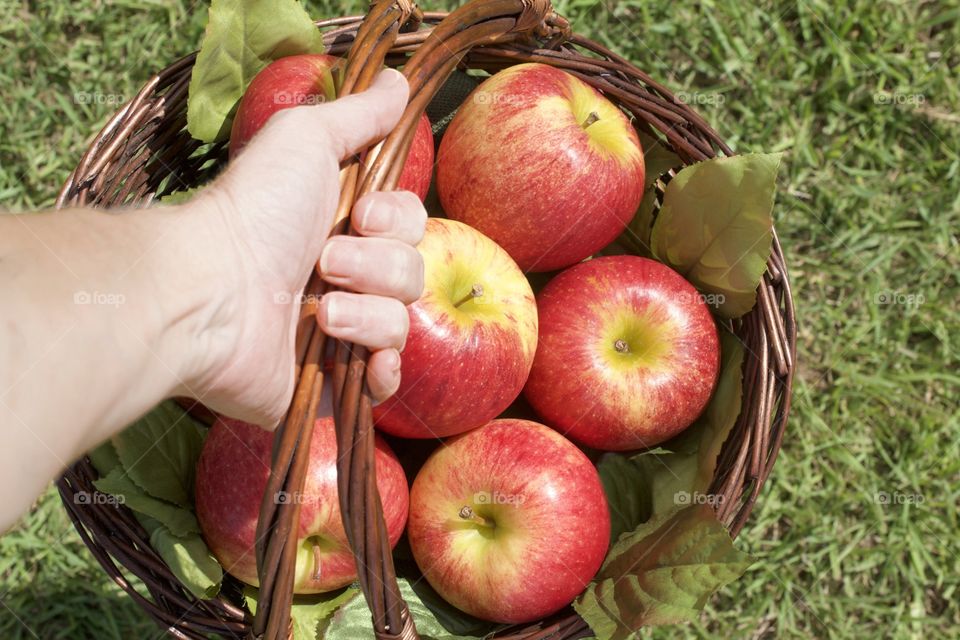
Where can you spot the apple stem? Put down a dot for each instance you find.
(316, 561)
(468, 514)
(593, 117)
(475, 292)
(621, 346)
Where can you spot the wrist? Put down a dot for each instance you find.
(200, 290)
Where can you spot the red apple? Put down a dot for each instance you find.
(293, 81)
(418, 170)
(312, 79)
(508, 522)
(628, 353)
(543, 164)
(472, 337)
(232, 475)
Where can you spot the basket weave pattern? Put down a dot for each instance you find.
(145, 151)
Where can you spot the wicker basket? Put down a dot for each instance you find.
(145, 152)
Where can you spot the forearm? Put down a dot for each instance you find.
(101, 314)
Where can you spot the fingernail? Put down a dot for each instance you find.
(390, 77)
(339, 262)
(341, 313)
(377, 218)
(393, 359)
(325, 258)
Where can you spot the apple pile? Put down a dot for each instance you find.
(507, 518)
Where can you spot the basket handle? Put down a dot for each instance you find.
(480, 22)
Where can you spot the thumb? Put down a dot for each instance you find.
(341, 128)
(359, 120)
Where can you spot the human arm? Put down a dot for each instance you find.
(105, 314)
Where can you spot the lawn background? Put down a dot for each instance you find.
(857, 531)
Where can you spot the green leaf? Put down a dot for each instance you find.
(159, 453)
(722, 412)
(310, 613)
(435, 619)
(657, 160)
(180, 197)
(242, 37)
(672, 477)
(716, 227)
(188, 558)
(104, 458)
(637, 234)
(626, 483)
(451, 619)
(645, 484)
(180, 521)
(661, 573)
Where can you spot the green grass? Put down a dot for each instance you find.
(863, 97)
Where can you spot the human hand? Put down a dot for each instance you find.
(276, 204)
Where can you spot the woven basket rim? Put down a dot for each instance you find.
(120, 166)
